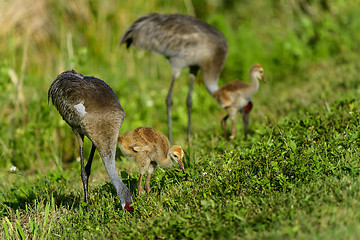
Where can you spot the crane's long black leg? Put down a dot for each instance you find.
(84, 176)
(189, 105)
(245, 112)
(193, 72)
(88, 165)
(169, 104)
(245, 117)
(223, 125)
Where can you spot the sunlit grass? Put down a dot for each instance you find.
(295, 177)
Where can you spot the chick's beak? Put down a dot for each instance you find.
(263, 79)
(181, 165)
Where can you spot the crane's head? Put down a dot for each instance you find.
(258, 72)
(129, 208)
(176, 154)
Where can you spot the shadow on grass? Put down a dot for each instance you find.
(21, 201)
(56, 187)
(24, 194)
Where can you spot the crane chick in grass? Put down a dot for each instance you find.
(236, 97)
(149, 148)
(91, 109)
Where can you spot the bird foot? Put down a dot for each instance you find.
(140, 190)
(147, 190)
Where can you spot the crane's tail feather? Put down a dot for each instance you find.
(127, 38)
(140, 24)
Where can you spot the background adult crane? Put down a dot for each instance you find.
(91, 109)
(186, 42)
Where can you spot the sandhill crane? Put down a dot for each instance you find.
(91, 109)
(186, 42)
(149, 148)
(236, 97)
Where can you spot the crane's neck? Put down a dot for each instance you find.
(166, 162)
(212, 87)
(121, 189)
(254, 85)
(211, 81)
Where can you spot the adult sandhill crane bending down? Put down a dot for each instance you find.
(236, 97)
(92, 109)
(186, 42)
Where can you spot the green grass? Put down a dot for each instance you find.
(299, 179)
(296, 177)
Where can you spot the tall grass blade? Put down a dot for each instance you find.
(19, 229)
(46, 226)
(6, 227)
(46, 214)
(33, 227)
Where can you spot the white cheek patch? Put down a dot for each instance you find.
(80, 108)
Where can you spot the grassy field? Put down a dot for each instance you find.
(296, 177)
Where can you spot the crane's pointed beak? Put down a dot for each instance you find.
(181, 165)
(263, 79)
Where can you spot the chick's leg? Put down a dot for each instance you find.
(151, 169)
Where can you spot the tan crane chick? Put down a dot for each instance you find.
(149, 148)
(236, 97)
